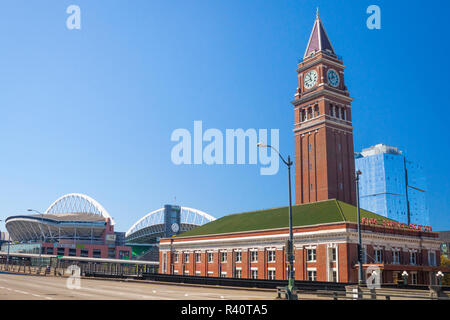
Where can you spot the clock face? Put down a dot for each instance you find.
(175, 227)
(333, 78)
(310, 79)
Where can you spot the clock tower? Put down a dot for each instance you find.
(324, 156)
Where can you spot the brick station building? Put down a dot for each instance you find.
(253, 245)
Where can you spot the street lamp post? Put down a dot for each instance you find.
(291, 282)
(42, 238)
(360, 268)
(439, 276)
(405, 277)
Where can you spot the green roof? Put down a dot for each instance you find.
(329, 211)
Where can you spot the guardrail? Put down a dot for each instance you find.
(247, 283)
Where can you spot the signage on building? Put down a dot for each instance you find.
(395, 224)
(110, 237)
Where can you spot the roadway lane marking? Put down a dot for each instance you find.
(50, 286)
(20, 291)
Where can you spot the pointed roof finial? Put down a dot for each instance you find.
(318, 40)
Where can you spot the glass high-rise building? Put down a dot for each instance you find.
(391, 185)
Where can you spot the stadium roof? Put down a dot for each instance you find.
(329, 211)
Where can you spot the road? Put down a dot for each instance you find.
(29, 287)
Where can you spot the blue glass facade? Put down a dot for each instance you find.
(391, 185)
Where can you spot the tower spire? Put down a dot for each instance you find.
(318, 40)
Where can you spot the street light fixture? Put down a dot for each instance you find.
(360, 268)
(405, 277)
(439, 275)
(291, 282)
(42, 239)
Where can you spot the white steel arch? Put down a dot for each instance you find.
(78, 203)
(187, 215)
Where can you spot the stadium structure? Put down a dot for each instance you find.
(73, 225)
(144, 235)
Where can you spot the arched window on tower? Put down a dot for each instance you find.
(331, 110)
(343, 113)
(302, 115)
(316, 111)
(336, 111)
(310, 113)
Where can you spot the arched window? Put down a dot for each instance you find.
(331, 110)
(316, 111)
(343, 113)
(310, 113)
(303, 115)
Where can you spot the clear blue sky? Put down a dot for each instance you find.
(92, 110)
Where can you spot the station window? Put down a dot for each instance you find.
(223, 257)
(254, 256)
(395, 257)
(254, 274)
(238, 273)
(61, 251)
(49, 250)
(198, 257)
(378, 256)
(210, 257)
(84, 253)
(312, 275)
(334, 276)
(238, 256)
(271, 256)
(72, 252)
(333, 254)
(412, 258)
(311, 255)
(271, 274)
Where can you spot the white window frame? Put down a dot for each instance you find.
(238, 255)
(271, 255)
(210, 257)
(432, 262)
(271, 271)
(254, 256)
(411, 260)
(198, 257)
(378, 255)
(223, 254)
(313, 272)
(395, 256)
(313, 255)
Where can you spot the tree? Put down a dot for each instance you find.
(445, 262)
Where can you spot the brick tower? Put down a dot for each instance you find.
(324, 158)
